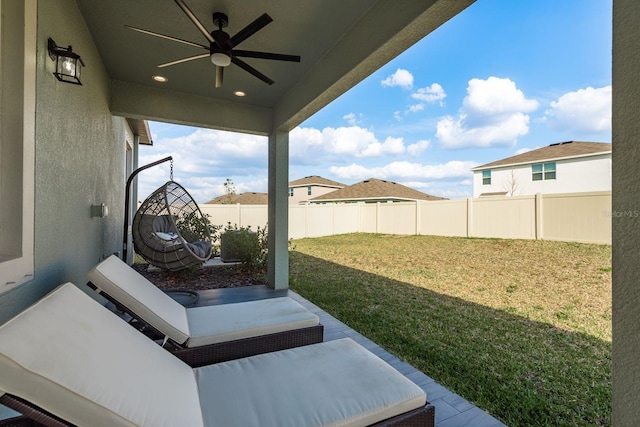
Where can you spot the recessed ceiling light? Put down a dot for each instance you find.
(239, 93)
(160, 79)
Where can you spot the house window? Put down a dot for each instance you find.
(308, 190)
(543, 171)
(290, 191)
(486, 177)
(17, 141)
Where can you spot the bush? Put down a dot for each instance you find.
(246, 246)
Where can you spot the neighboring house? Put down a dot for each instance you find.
(374, 190)
(565, 167)
(304, 189)
(247, 198)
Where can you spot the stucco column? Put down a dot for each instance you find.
(278, 269)
(626, 212)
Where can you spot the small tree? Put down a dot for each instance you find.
(511, 186)
(230, 191)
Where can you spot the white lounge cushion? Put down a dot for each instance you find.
(76, 359)
(335, 383)
(227, 322)
(142, 297)
(197, 326)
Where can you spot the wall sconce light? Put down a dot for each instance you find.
(68, 63)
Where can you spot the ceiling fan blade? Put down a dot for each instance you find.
(163, 36)
(240, 63)
(180, 61)
(265, 55)
(250, 29)
(195, 20)
(219, 75)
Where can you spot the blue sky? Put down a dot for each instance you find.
(503, 77)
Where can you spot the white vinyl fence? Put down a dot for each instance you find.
(575, 217)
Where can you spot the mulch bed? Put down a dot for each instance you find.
(200, 279)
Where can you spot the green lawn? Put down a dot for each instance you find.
(520, 328)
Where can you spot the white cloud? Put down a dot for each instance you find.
(585, 110)
(430, 94)
(202, 160)
(397, 116)
(496, 96)
(456, 134)
(405, 171)
(415, 108)
(417, 148)
(401, 77)
(352, 118)
(310, 144)
(492, 113)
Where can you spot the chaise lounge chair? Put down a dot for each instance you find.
(210, 334)
(70, 361)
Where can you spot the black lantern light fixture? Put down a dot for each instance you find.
(68, 63)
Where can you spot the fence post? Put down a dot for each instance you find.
(418, 206)
(538, 216)
(469, 217)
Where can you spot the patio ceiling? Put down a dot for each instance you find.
(340, 43)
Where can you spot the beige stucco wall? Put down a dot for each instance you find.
(79, 162)
(626, 197)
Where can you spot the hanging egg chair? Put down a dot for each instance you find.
(169, 230)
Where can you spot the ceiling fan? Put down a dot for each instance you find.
(221, 50)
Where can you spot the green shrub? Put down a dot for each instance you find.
(246, 246)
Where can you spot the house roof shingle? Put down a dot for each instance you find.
(248, 198)
(554, 151)
(315, 180)
(375, 189)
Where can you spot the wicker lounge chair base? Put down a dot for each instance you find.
(32, 415)
(36, 417)
(222, 352)
(206, 334)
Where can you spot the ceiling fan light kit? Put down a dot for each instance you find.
(221, 48)
(220, 59)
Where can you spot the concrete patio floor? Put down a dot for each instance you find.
(451, 409)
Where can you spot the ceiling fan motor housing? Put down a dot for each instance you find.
(220, 20)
